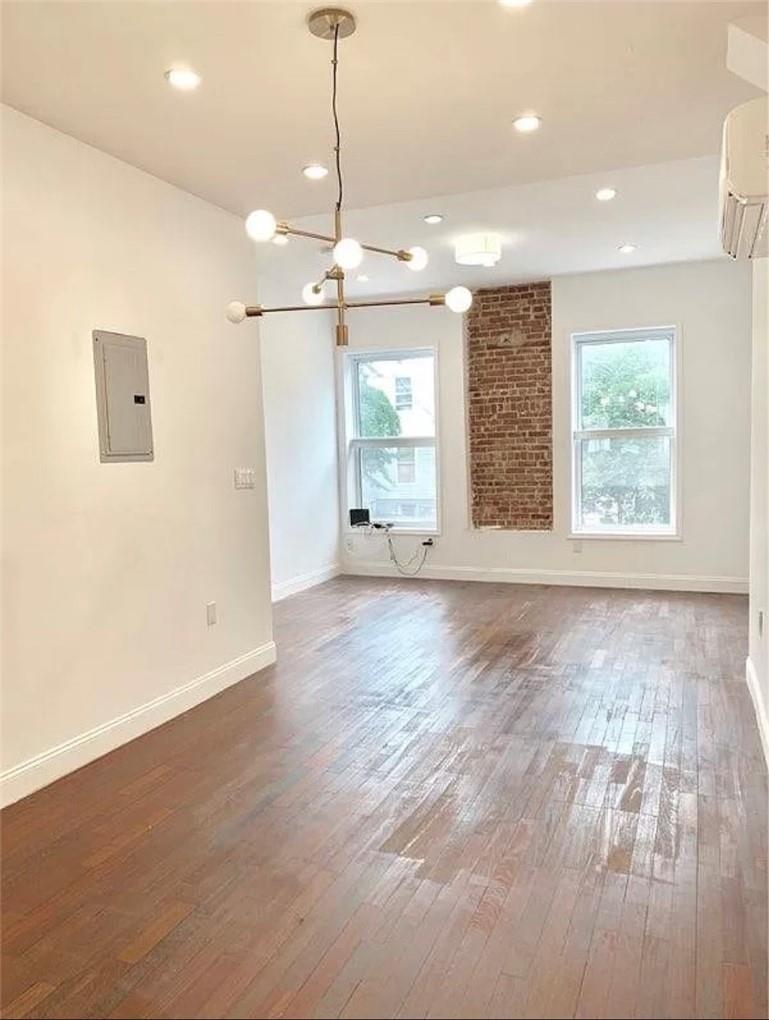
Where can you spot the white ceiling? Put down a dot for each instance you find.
(670, 210)
(428, 91)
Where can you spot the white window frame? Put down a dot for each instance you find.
(350, 442)
(673, 431)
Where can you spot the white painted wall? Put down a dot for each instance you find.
(107, 568)
(758, 661)
(300, 424)
(710, 301)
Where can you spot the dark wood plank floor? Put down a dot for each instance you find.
(447, 800)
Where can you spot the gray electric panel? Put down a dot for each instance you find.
(122, 397)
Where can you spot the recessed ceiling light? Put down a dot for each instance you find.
(362, 278)
(606, 194)
(527, 122)
(314, 171)
(626, 249)
(433, 218)
(280, 239)
(478, 250)
(514, 3)
(183, 78)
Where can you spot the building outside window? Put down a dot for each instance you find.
(407, 466)
(403, 393)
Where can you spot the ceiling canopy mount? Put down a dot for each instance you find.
(327, 20)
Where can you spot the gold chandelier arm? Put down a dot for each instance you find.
(434, 300)
(400, 254)
(285, 228)
(256, 311)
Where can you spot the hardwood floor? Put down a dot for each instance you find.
(446, 800)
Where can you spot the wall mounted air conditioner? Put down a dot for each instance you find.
(744, 190)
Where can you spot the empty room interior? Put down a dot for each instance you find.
(385, 517)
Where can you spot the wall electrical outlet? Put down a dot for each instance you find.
(245, 478)
(576, 547)
(349, 545)
(210, 613)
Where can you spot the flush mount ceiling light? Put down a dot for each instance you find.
(433, 218)
(514, 3)
(183, 78)
(333, 24)
(606, 194)
(478, 250)
(315, 171)
(527, 123)
(626, 249)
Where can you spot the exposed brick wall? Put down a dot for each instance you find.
(509, 408)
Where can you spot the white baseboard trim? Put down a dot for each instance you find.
(304, 581)
(760, 706)
(579, 578)
(44, 768)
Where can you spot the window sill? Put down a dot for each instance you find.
(427, 532)
(624, 536)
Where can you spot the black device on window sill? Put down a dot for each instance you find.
(359, 518)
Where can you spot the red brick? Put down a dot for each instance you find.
(509, 407)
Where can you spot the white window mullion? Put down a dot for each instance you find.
(622, 433)
(390, 442)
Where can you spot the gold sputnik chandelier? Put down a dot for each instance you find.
(333, 23)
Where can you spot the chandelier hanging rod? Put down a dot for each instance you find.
(333, 24)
